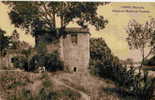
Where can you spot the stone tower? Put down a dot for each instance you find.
(73, 49)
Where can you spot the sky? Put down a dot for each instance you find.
(114, 34)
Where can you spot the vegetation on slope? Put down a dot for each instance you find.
(51, 62)
(104, 64)
(30, 86)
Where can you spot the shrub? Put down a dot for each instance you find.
(20, 62)
(44, 76)
(41, 47)
(16, 84)
(47, 83)
(26, 94)
(149, 62)
(35, 62)
(26, 52)
(44, 94)
(51, 62)
(68, 94)
(104, 64)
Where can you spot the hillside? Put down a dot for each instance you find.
(18, 85)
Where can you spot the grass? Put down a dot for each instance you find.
(68, 94)
(7, 78)
(51, 90)
(47, 83)
(11, 80)
(75, 86)
(45, 80)
(16, 84)
(44, 76)
(46, 94)
(122, 94)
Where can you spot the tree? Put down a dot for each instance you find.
(15, 36)
(105, 65)
(100, 57)
(4, 42)
(140, 37)
(15, 40)
(129, 61)
(37, 17)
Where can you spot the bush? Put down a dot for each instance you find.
(51, 62)
(149, 62)
(26, 94)
(143, 86)
(20, 62)
(35, 62)
(47, 83)
(26, 52)
(41, 47)
(104, 64)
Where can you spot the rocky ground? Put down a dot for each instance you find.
(18, 85)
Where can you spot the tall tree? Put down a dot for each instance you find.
(140, 37)
(38, 16)
(4, 42)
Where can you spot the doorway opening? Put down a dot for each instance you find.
(74, 69)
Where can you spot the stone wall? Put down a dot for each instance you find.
(75, 55)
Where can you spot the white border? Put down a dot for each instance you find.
(89, 0)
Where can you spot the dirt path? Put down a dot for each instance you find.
(84, 95)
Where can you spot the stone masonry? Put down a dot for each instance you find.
(73, 49)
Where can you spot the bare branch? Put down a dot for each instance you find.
(48, 14)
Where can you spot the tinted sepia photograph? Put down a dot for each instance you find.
(77, 50)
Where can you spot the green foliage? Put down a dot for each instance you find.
(47, 83)
(26, 94)
(27, 52)
(144, 87)
(99, 54)
(141, 36)
(23, 95)
(4, 42)
(20, 62)
(41, 47)
(16, 84)
(15, 40)
(37, 17)
(51, 62)
(11, 81)
(45, 94)
(44, 76)
(150, 62)
(104, 64)
(69, 94)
